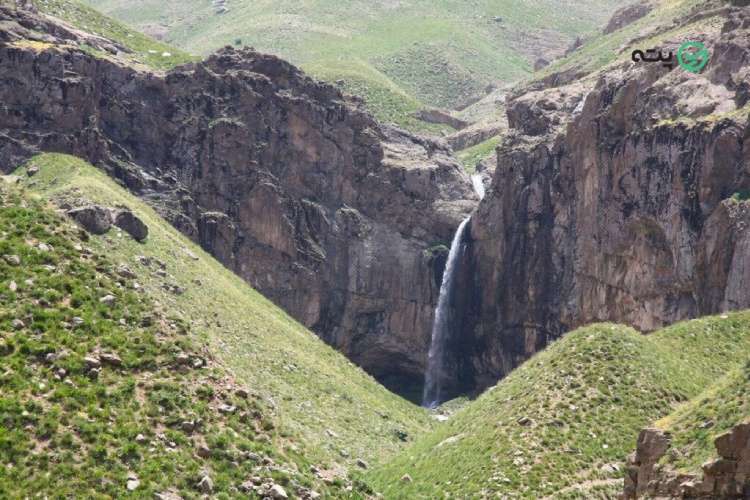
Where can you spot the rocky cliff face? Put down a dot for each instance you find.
(726, 477)
(286, 181)
(612, 200)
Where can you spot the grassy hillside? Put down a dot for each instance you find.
(437, 52)
(586, 397)
(726, 404)
(147, 50)
(134, 427)
(326, 408)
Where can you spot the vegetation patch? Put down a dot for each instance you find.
(473, 155)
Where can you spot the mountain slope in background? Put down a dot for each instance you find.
(436, 53)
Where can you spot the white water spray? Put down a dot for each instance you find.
(476, 180)
(441, 324)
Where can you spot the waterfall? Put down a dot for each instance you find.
(441, 324)
(476, 180)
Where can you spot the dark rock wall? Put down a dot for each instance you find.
(612, 201)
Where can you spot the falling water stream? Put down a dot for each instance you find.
(441, 325)
(476, 180)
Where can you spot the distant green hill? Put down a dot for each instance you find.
(326, 411)
(563, 423)
(146, 50)
(438, 53)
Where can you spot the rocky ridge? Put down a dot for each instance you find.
(284, 180)
(617, 196)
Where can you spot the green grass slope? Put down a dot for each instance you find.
(660, 28)
(146, 49)
(726, 404)
(437, 52)
(586, 396)
(327, 408)
(68, 433)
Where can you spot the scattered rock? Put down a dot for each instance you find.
(93, 218)
(76, 320)
(131, 224)
(188, 426)
(204, 451)
(608, 468)
(362, 463)
(227, 408)
(277, 491)
(110, 359)
(92, 362)
(13, 260)
(524, 421)
(143, 260)
(707, 424)
(13, 286)
(51, 357)
(140, 439)
(108, 300)
(242, 393)
(93, 374)
(253, 456)
(133, 484)
(17, 324)
(183, 359)
(206, 485)
(126, 272)
(44, 247)
(406, 478)
(190, 254)
(32, 171)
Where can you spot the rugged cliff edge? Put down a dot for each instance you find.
(286, 181)
(612, 198)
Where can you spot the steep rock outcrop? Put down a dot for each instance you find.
(612, 201)
(726, 477)
(284, 180)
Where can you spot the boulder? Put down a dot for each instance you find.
(277, 491)
(13, 260)
(110, 359)
(131, 224)
(206, 485)
(93, 218)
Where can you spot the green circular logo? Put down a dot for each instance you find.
(692, 60)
